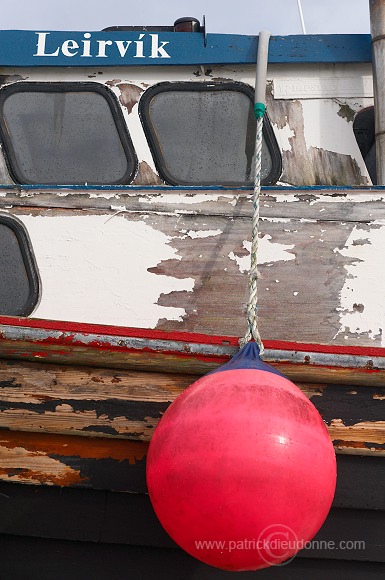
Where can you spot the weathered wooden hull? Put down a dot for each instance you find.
(79, 401)
(78, 437)
(127, 404)
(93, 529)
(144, 289)
(319, 252)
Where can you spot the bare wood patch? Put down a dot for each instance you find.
(334, 205)
(370, 433)
(146, 176)
(129, 95)
(305, 165)
(103, 403)
(304, 265)
(52, 459)
(22, 465)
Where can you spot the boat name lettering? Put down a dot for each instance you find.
(147, 45)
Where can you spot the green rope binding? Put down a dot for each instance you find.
(259, 110)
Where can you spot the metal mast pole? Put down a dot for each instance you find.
(377, 30)
(301, 16)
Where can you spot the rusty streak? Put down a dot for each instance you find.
(73, 445)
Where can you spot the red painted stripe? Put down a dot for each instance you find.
(124, 331)
(86, 328)
(366, 351)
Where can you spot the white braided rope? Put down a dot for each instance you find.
(252, 305)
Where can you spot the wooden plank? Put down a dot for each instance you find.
(85, 402)
(144, 349)
(58, 460)
(42, 398)
(332, 375)
(97, 561)
(51, 512)
(129, 519)
(342, 526)
(360, 482)
(109, 357)
(181, 51)
(350, 204)
(312, 270)
(111, 464)
(363, 527)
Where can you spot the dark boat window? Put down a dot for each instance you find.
(364, 131)
(204, 134)
(19, 280)
(65, 133)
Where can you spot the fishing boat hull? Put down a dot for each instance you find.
(137, 286)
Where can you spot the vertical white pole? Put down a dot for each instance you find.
(259, 109)
(377, 29)
(301, 16)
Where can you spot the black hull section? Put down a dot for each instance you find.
(59, 533)
(60, 560)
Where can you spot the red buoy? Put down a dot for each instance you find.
(241, 471)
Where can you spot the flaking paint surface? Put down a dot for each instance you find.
(284, 136)
(326, 129)
(317, 144)
(34, 466)
(95, 269)
(193, 234)
(185, 198)
(362, 305)
(268, 252)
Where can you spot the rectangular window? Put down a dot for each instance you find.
(204, 133)
(62, 133)
(19, 280)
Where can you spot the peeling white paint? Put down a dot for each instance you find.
(325, 129)
(96, 270)
(277, 220)
(290, 198)
(283, 197)
(346, 197)
(273, 251)
(104, 195)
(283, 135)
(183, 198)
(203, 233)
(268, 253)
(362, 305)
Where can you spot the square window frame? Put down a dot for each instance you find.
(65, 87)
(187, 86)
(29, 260)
